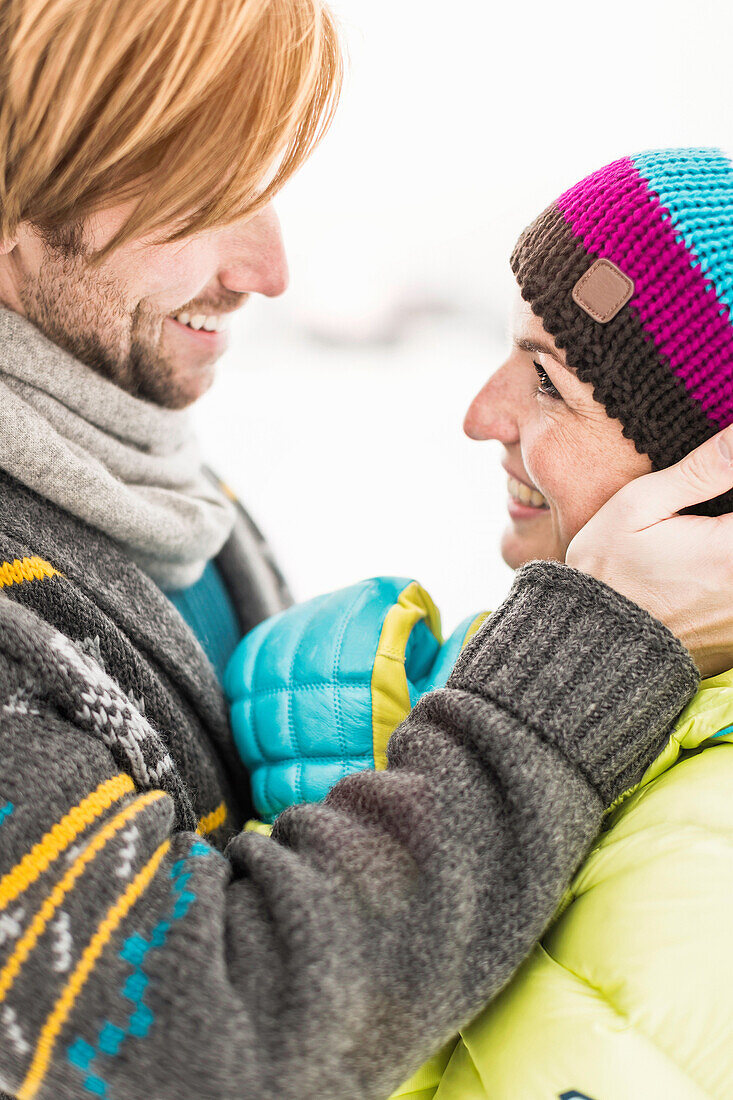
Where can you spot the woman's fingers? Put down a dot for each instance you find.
(680, 568)
(701, 475)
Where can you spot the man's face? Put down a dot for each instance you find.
(120, 318)
(563, 455)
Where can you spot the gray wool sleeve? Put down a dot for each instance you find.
(330, 959)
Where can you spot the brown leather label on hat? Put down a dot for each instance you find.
(603, 291)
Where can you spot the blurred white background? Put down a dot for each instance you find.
(337, 412)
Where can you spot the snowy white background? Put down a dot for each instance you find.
(337, 412)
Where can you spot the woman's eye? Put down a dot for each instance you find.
(545, 385)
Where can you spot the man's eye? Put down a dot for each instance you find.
(545, 385)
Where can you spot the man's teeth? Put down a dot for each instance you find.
(525, 495)
(209, 323)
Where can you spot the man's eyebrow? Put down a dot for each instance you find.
(539, 347)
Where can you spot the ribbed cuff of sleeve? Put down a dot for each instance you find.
(585, 668)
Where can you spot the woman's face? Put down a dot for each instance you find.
(563, 456)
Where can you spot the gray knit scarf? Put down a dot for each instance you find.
(124, 465)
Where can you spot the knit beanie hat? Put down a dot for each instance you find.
(631, 272)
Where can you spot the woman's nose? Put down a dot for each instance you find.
(493, 413)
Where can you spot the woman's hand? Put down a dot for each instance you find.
(679, 568)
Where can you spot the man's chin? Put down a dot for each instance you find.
(181, 388)
(182, 378)
(194, 388)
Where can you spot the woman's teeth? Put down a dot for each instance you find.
(521, 492)
(196, 321)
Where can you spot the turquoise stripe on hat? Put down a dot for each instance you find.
(696, 187)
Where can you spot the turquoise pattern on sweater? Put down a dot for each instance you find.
(134, 950)
(209, 611)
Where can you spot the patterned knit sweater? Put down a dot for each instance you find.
(149, 948)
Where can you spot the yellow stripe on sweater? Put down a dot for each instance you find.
(27, 569)
(50, 846)
(212, 821)
(35, 929)
(62, 1009)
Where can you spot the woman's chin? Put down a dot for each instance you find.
(520, 546)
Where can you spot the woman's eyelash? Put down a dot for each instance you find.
(545, 384)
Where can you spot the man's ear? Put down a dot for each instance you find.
(7, 245)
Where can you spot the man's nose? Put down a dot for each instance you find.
(253, 257)
(494, 411)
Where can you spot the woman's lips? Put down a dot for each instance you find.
(525, 502)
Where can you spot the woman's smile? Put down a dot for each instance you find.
(525, 500)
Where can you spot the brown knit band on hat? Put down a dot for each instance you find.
(617, 358)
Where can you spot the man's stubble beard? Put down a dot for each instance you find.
(82, 311)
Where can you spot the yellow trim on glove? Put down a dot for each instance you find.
(475, 626)
(390, 692)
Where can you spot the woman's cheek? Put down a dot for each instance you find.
(546, 462)
(565, 479)
(588, 491)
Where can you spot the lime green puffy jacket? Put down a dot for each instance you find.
(630, 993)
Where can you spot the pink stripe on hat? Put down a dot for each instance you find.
(617, 217)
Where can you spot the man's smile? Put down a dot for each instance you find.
(216, 339)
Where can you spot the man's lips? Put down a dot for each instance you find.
(210, 339)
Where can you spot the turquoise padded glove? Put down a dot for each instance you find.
(317, 690)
